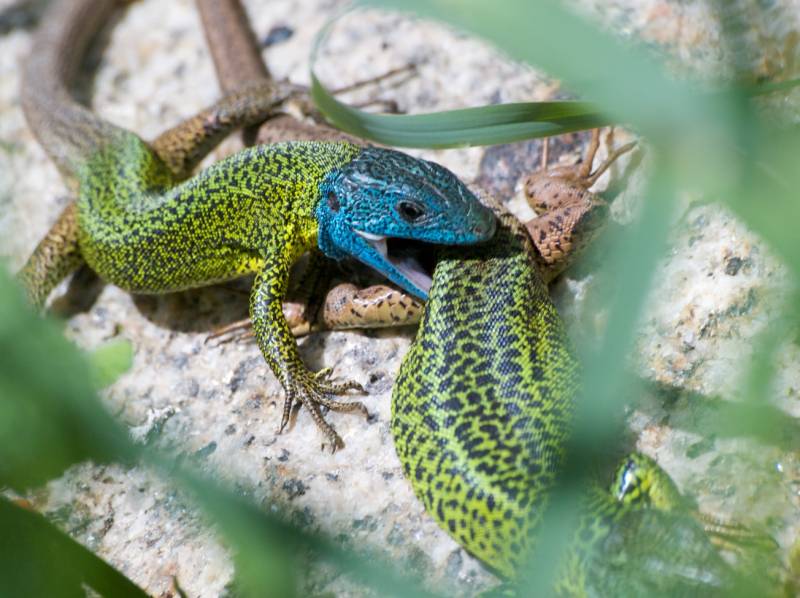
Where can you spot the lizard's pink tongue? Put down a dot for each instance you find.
(408, 265)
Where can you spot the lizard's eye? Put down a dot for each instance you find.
(333, 201)
(629, 483)
(410, 211)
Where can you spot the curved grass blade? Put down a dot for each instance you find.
(484, 125)
(481, 125)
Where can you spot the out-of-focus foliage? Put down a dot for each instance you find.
(110, 361)
(37, 559)
(49, 416)
(486, 125)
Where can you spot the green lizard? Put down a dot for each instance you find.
(255, 212)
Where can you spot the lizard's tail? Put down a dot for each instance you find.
(68, 131)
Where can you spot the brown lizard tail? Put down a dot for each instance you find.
(68, 131)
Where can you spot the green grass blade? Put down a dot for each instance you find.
(50, 417)
(264, 543)
(38, 559)
(485, 125)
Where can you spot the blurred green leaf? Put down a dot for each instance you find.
(763, 189)
(50, 417)
(37, 559)
(264, 544)
(110, 361)
(264, 547)
(606, 379)
(625, 82)
(714, 416)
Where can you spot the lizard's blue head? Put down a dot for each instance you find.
(382, 204)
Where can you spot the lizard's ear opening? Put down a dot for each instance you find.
(333, 201)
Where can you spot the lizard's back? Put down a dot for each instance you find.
(482, 403)
(136, 223)
(134, 217)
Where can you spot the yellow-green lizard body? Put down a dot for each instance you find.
(482, 404)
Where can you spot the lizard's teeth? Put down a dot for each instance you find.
(371, 237)
(382, 248)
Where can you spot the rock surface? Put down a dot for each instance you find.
(219, 405)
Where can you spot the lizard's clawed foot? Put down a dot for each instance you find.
(314, 391)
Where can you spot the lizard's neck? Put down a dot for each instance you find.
(284, 178)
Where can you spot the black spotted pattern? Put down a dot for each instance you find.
(483, 401)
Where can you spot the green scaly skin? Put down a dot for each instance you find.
(481, 410)
(142, 229)
(479, 424)
(135, 220)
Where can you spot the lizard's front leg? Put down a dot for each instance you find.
(280, 350)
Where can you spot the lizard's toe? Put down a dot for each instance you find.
(314, 391)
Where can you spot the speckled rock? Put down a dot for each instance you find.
(219, 405)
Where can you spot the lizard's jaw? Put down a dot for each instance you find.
(399, 258)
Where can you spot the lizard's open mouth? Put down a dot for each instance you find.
(414, 260)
